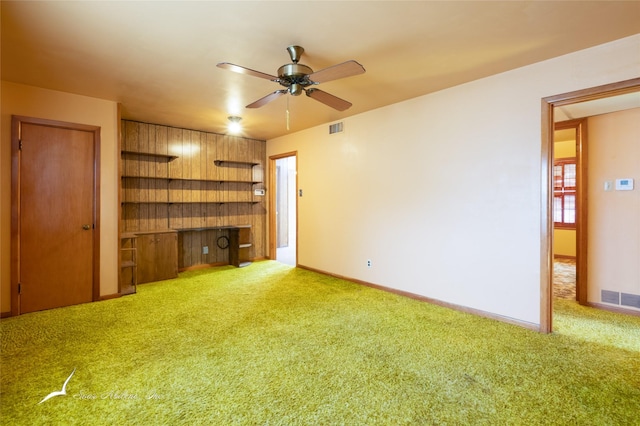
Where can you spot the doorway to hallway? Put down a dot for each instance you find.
(283, 216)
(550, 104)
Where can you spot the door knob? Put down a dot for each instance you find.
(86, 227)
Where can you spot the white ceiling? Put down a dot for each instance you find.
(597, 107)
(158, 59)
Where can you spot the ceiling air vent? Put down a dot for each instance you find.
(335, 128)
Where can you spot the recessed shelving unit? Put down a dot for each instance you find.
(210, 187)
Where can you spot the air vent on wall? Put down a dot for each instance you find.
(632, 300)
(335, 128)
(609, 296)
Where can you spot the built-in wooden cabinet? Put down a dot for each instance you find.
(203, 185)
(157, 253)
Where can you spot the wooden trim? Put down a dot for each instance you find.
(582, 218)
(593, 93)
(614, 309)
(437, 302)
(580, 127)
(546, 208)
(546, 220)
(110, 296)
(5, 314)
(563, 256)
(15, 214)
(16, 122)
(120, 173)
(96, 212)
(272, 203)
(567, 226)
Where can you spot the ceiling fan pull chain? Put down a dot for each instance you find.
(287, 113)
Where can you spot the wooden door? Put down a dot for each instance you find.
(54, 223)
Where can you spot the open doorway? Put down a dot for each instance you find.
(283, 233)
(569, 207)
(589, 99)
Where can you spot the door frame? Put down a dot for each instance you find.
(272, 203)
(16, 136)
(546, 214)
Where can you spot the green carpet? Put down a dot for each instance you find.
(273, 345)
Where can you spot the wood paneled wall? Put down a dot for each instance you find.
(178, 184)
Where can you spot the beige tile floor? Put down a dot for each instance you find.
(564, 279)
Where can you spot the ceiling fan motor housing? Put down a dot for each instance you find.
(295, 77)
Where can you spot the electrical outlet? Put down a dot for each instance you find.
(205, 250)
(368, 263)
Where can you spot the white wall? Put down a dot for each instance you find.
(443, 192)
(613, 216)
(31, 101)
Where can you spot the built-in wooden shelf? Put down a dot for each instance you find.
(128, 261)
(190, 202)
(211, 228)
(253, 182)
(151, 154)
(234, 163)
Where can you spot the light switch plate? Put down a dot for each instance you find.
(625, 184)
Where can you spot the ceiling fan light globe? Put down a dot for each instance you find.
(234, 128)
(234, 125)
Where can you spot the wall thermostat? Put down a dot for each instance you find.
(624, 184)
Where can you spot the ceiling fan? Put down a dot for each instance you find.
(298, 78)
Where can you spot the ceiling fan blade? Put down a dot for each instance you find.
(247, 71)
(345, 69)
(328, 99)
(270, 97)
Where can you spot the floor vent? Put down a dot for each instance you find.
(335, 128)
(608, 296)
(632, 300)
